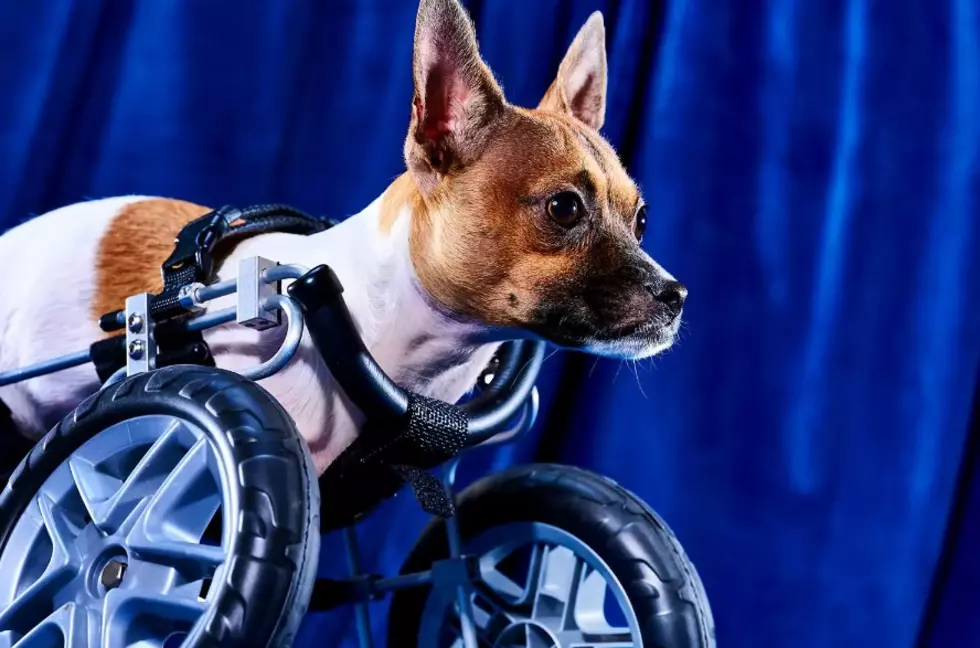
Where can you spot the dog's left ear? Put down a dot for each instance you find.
(580, 89)
(456, 102)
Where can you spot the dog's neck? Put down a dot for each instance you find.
(419, 345)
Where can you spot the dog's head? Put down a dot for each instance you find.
(526, 219)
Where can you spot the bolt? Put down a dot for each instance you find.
(135, 322)
(112, 574)
(136, 349)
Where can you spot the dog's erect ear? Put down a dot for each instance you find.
(456, 98)
(580, 89)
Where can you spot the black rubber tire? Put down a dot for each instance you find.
(272, 566)
(661, 583)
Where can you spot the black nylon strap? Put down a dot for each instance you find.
(382, 459)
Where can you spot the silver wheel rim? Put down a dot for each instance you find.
(563, 602)
(109, 551)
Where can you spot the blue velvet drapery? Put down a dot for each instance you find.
(812, 167)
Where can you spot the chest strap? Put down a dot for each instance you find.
(386, 456)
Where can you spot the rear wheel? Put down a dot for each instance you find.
(102, 526)
(567, 559)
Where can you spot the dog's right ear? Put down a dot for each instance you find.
(457, 100)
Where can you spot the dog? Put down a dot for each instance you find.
(508, 223)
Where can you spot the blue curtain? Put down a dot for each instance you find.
(812, 167)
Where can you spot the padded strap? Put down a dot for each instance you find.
(386, 456)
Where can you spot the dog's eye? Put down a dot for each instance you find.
(641, 223)
(565, 208)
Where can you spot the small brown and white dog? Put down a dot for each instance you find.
(508, 223)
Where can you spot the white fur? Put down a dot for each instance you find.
(47, 285)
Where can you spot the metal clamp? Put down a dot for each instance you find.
(254, 294)
(141, 348)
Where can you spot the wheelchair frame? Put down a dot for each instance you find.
(507, 408)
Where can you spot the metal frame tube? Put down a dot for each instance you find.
(365, 640)
(294, 335)
(44, 368)
(466, 623)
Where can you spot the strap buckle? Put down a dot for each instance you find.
(196, 242)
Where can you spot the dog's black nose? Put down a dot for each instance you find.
(672, 295)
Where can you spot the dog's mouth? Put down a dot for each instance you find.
(633, 339)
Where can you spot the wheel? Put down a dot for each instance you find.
(566, 558)
(101, 525)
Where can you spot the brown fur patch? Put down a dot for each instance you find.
(401, 193)
(135, 245)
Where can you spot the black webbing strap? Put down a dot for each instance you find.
(192, 260)
(386, 456)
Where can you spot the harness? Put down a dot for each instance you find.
(388, 453)
(198, 248)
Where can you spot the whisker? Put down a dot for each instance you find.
(594, 365)
(638, 383)
(618, 369)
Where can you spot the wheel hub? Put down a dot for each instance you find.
(112, 574)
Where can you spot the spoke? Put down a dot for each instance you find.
(37, 596)
(67, 626)
(74, 626)
(488, 623)
(166, 529)
(130, 616)
(496, 591)
(146, 478)
(186, 501)
(580, 639)
(570, 613)
(500, 601)
(534, 571)
(587, 611)
(62, 530)
(194, 561)
(94, 486)
(558, 570)
(491, 612)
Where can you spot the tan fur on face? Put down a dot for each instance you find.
(135, 245)
(485, 248)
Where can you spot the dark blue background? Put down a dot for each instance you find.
(812, 167)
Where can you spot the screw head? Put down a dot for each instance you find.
(112, 574)
(136, 349)
(136, 322)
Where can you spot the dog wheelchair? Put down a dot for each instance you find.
(179, 505)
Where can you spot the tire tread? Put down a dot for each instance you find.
(284, 523)
(674, 595)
